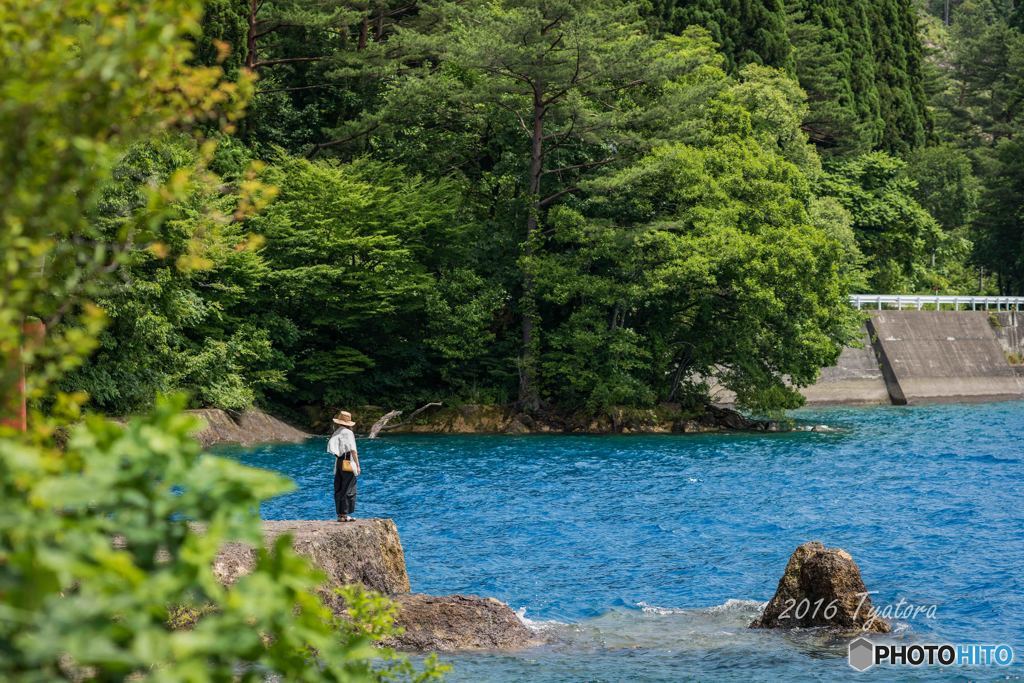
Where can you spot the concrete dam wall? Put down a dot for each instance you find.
(855, 379)
(941, 356)
(926, 356)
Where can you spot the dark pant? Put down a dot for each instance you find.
(344, 492)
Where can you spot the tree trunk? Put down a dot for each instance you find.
(528, 396)
(250, 41)
(364, 32)
(378, 27)
(382, 423)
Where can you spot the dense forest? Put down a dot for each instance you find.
(566, 204)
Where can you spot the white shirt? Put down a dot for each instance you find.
(343, 441)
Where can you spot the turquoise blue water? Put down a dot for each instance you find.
(644, 557)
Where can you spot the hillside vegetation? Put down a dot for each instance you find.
(568, 205)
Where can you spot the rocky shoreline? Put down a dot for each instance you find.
(501, 419)
(254, 426)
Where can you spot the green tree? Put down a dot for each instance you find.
(321, 66)
(946, 185)
(899, 56)
(568, 76)
(354, 252)
(699, 258)
(171, 325)
(977, 90)
(835, 66)
(999, 230)
(894, 232)
(223, 35)
(984, 77)
(861, 64)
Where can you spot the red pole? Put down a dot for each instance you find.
(15, 409)
(16, 412)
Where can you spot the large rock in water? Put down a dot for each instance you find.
(369, 552)
(458, 622)
(816, 580)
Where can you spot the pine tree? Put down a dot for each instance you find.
(899, 58)
(748, 31)
(564, 80)
(861, 64)
(835, 67)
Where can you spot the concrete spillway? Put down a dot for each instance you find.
(855, 379)
(941, 356)
(926, 356)
(922, 357)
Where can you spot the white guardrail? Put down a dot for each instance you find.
(900, 301)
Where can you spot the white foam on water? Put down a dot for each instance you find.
(738, 604)
(539, 625)
(730, 605)
(819, 429)
(654, 609)
(655, 628)
(679, 629)
(694, 630)
(899, 627)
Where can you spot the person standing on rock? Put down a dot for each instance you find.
(346, 466)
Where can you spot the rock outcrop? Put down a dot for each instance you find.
(248, 428)
(457, 623)
(369, 552)
(821, 587)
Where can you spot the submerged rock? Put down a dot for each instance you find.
(458, 622)
(821, 587)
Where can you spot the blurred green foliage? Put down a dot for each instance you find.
(99, 558)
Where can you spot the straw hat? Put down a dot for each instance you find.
(344, 418)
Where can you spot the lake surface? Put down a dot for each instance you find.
(645, 557)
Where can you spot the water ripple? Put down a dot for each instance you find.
(647, 556)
